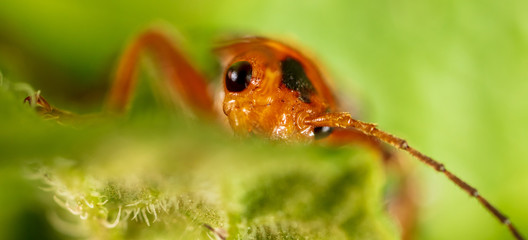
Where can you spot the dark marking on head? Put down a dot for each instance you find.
(294, 77)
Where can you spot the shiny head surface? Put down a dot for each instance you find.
(270, 89)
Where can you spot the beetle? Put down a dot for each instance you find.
(269, 89)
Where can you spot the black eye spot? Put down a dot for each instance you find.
(322, 132)
(238, 76)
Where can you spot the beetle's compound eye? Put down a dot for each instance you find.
(322, 132)
(238, 76)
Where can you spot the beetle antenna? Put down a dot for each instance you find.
(344, 120)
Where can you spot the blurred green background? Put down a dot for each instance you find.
(449, 76)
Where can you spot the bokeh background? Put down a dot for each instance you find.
(449, 76)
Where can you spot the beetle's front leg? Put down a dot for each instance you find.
(45, 109)
(178, 74)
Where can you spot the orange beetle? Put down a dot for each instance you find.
(269, 89)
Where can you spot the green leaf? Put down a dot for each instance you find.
(159, 175)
